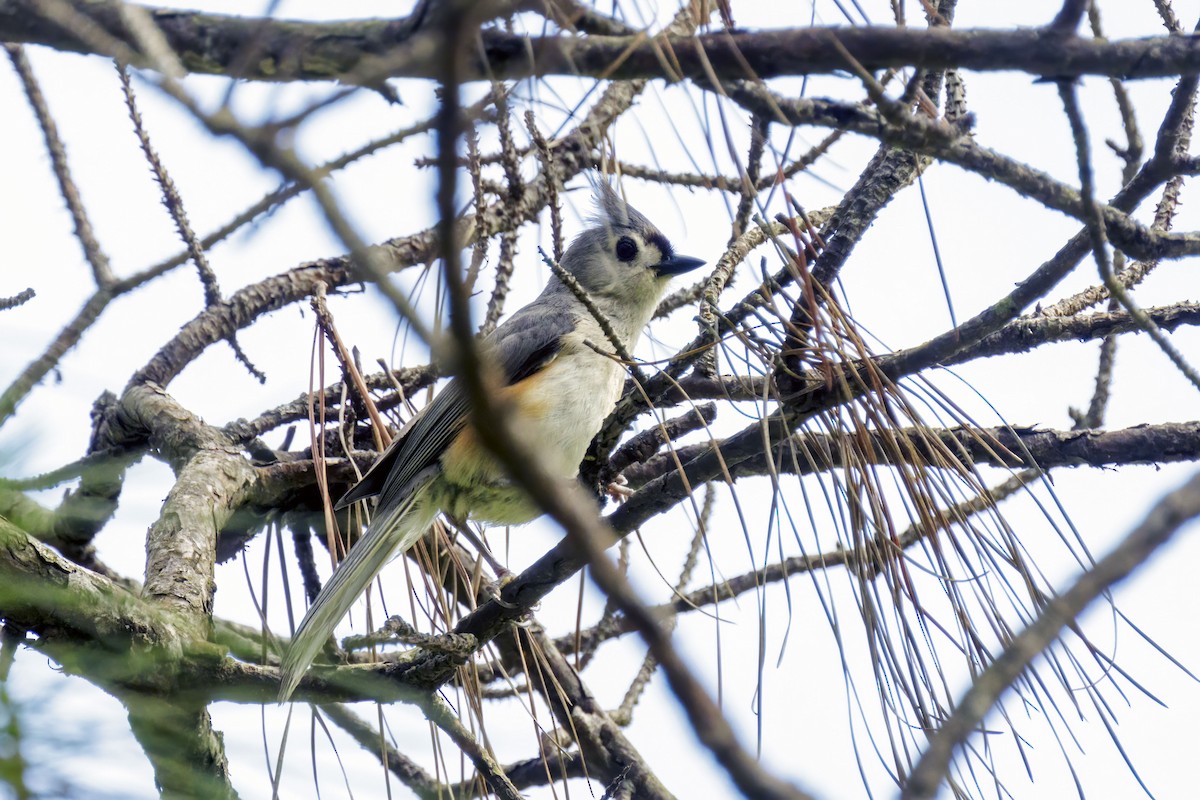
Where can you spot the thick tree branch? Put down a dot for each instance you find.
(998, 447)
(64, 603)
(212, 479)
(368, 51)
(1028, 333)
(187, 753)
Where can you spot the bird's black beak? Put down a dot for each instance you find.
(677, 265)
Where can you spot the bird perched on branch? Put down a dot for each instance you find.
(559, 390)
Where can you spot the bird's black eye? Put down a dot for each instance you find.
(626, 248)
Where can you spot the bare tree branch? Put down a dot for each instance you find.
(1000, 447)
(779, 383)
(1163, 521)
(367, 51)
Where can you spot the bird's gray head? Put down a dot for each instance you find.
(622, 258)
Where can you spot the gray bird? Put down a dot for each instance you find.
(560, 392)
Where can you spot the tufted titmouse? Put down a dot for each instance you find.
(560, 391)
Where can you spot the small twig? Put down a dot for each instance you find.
(302, 545)
(1069, 16)
(510, 158)
(97, 460)
(552, 184)
(1094, 416)
(171, 198)
(18, 299)
(438, 712)
(585, 648)
(101, 269)
(397, 630)
(403, 382)
(475, 170)
(349, 368)
(10, 641)
(760, 126)
(1131, 275)
(1096, 232)
(504, 273)
(174, 204)
(624, 714)
(1170, 21)
(582, 295)
(368, 737)
(679, 298)
(643, 445)
(538, 771)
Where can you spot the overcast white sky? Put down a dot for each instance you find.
(988, 238)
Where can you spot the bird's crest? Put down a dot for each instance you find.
(613, 212)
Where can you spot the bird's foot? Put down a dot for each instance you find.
(494, 590)
(618, 490)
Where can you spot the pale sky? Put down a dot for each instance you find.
(988, 238)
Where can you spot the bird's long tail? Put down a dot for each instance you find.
(392, 531)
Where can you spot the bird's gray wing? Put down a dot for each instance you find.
(520, 347)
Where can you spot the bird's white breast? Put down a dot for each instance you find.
(558, 411)
(575, 394)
